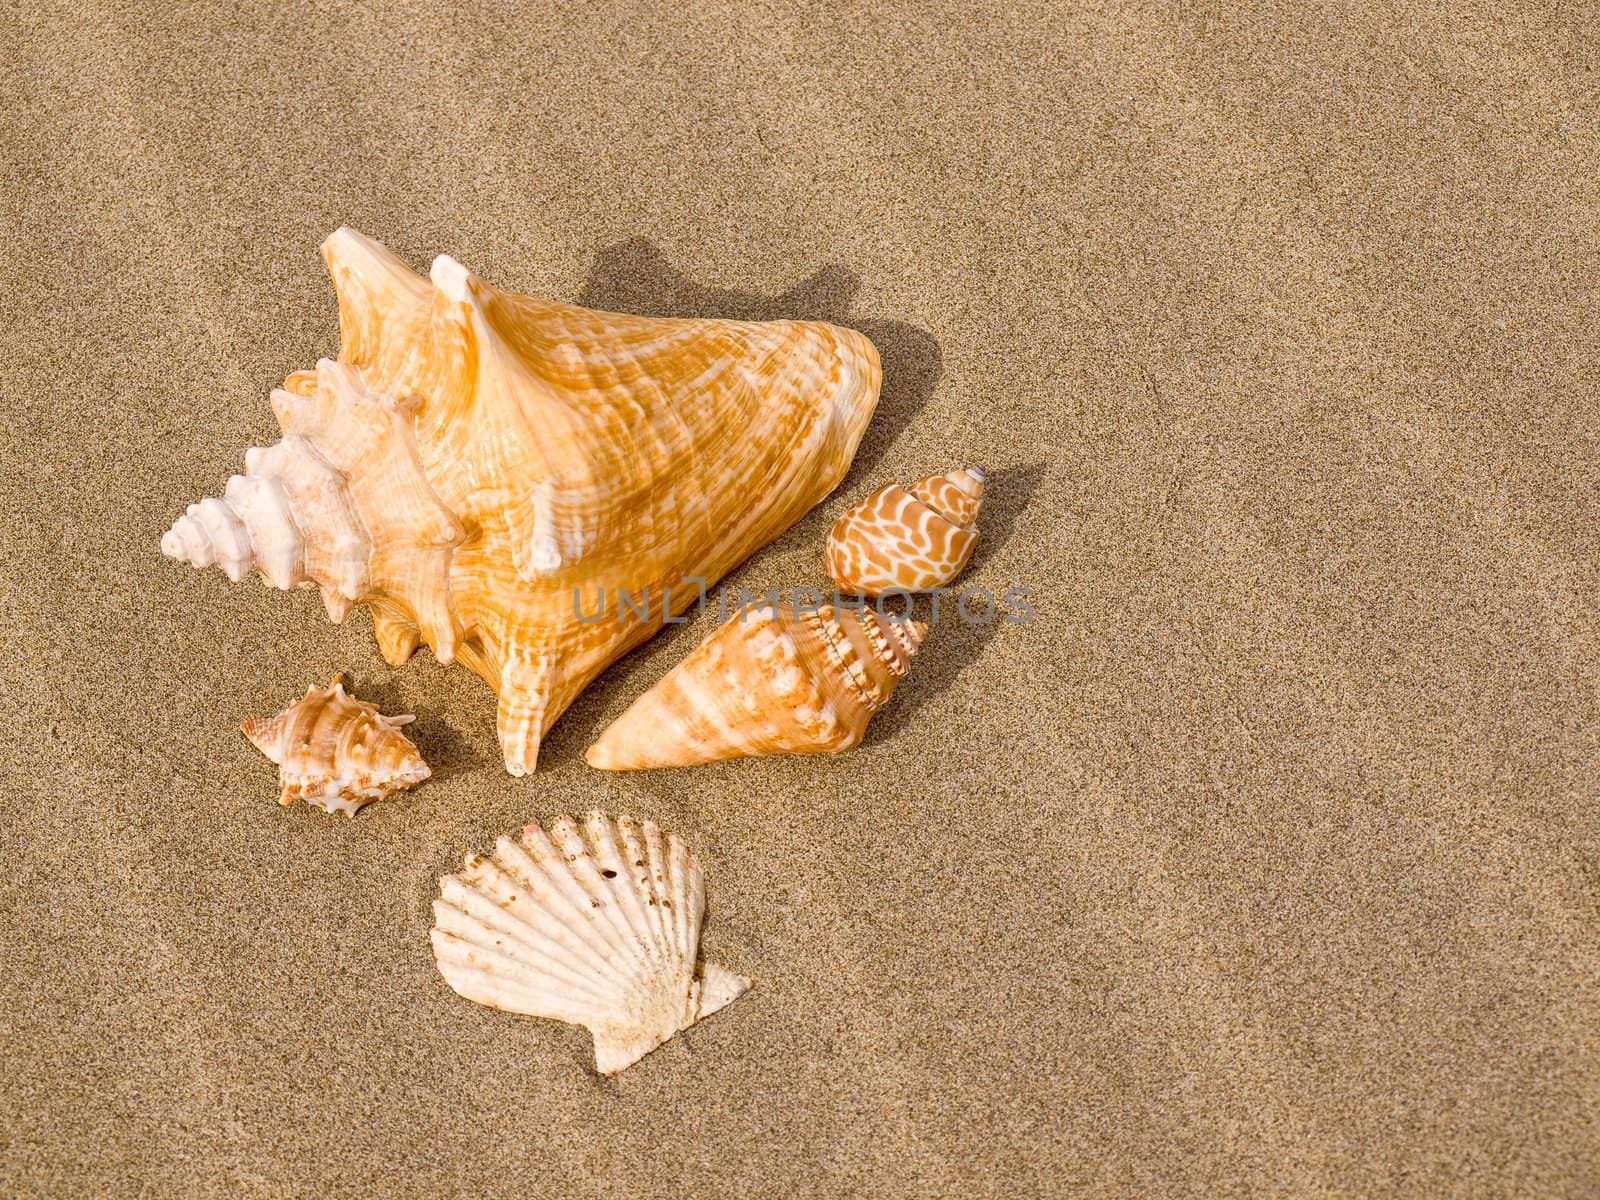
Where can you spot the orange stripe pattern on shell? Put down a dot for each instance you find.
(768, 681)
(479, 466)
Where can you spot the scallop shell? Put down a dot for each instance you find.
(336, 752)
(596, 925)
(772, 680)
(484, 469)
(896, 540)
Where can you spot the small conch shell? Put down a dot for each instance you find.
(597, 925)
(902, 541)
(769, 681)
(336, 752)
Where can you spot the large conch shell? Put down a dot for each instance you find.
(768, 681)
(896, 540)
(597, 925)
(485, 469)
(336, 752)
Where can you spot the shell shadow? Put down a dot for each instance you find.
(443, 748)
(953, 644)
(635, 277)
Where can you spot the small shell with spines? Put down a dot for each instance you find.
(336, 752)
(774, 679)
(900, 541)
(595, 924)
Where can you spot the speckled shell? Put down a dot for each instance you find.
(595, 924)
(482, 467)
(896, 540)
(770, 681)
(336, 752)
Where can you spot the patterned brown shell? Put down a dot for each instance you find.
(896, 540)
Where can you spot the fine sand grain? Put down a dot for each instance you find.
(1262, 862)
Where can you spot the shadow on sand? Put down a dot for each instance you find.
(445, 751)
(953, 644)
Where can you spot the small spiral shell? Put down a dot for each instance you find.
(336, 752)
(769, 681)
(900, 541)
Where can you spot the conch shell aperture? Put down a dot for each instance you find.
(896, 540)
(480, 467)
(595, 924)
(771, 680)
(336, 752)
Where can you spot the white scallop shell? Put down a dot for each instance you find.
(595, 924)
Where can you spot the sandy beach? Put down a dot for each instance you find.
(1261, 862)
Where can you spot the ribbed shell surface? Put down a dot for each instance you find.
(483, 468)
(336, 752)
(771, 680)
(594, 923)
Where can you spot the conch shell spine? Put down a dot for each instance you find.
(766, 682)
(900, 541)
(475, 457)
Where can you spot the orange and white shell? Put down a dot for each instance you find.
(902, 541)
(771, 680)
(336, 752)
(595, 924)
(480, 467)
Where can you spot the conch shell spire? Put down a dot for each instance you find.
(288, 516)
(476, 463)
(769, 681)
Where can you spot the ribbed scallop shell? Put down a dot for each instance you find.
(896, 540)
(482, 467)
(772, 680)
(336, 752)
(595, 924)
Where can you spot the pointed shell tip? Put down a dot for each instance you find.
(451, 278)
